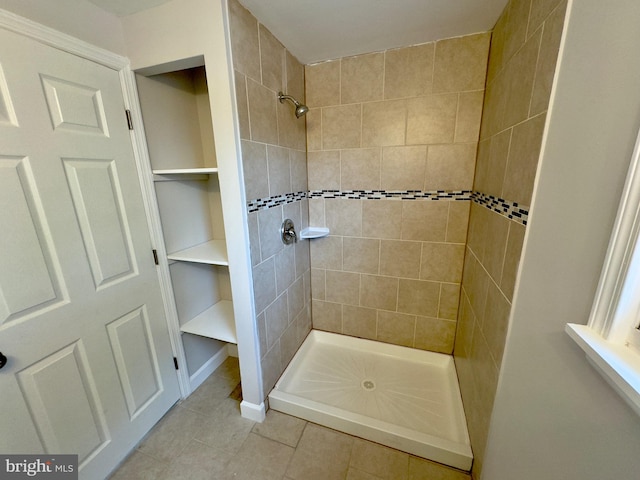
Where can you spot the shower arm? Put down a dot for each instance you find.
(282, 97)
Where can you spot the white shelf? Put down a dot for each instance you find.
(314, 232)
(216, 322)
(186, 171)
(213, 252)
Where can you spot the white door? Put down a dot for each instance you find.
(90, 366)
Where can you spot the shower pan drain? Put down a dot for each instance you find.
(368, 385)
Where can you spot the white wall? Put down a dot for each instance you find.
(79, 18)
(554, 416)
(176, 30)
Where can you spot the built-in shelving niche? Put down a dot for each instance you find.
(177, 120)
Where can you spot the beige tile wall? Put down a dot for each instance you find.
(274, 163)
(521, 67)
(404, 119)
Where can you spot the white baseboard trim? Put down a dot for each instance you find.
(254, 412)
(208, 368)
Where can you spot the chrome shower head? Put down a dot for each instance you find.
(300, 108)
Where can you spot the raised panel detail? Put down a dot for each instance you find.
(7, 112)
(74, 107)
(62, 398)
(30, 278)
(136, 359)
(97, 198)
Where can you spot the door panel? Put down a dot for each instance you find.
(82, 320)
(30, 278)
(59, 387)
(75, 107)
(132, 345)
(99, 206)
(7, 113)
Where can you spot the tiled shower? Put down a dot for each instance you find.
(423, 178)
(391, 139)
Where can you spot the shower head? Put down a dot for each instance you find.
(300, 108)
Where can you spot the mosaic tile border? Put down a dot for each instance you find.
(270, 202)
(510, 210)
(392, 194)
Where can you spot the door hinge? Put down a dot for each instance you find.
(155, 256)
(129, 119)
(175, 363)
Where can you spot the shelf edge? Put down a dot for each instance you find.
(313, 232)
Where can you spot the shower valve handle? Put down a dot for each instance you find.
(288, 232)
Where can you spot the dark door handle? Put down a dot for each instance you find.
(3, 360)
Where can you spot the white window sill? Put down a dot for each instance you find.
(618, 364)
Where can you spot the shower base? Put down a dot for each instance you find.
(400, 397)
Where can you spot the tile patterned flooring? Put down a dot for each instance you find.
(204, 437)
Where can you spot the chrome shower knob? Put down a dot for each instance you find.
(288, 233)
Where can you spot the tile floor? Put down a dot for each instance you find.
(204, 437)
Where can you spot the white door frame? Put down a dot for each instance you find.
(69, 44)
